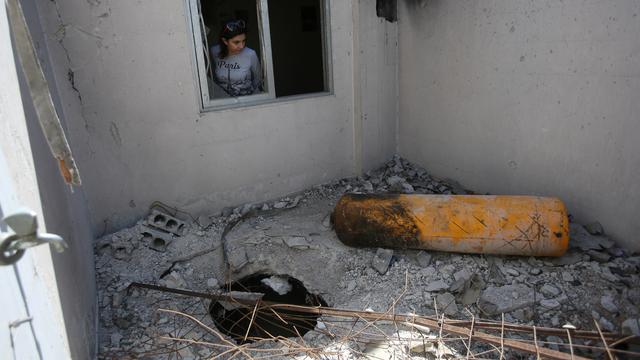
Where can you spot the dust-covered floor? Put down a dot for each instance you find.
(595, 280)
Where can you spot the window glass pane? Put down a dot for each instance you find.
(297, 46)
(234, 62)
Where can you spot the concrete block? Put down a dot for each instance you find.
(165, 222)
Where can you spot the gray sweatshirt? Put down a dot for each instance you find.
(238, 74)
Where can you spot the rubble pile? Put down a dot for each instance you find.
(595, 280)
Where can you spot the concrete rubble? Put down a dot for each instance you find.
(292, 236)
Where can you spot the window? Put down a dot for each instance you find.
(250, 51)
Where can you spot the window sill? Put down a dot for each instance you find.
(257, 103)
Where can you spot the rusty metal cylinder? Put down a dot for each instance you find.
(502, 225)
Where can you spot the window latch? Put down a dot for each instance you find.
(24, 234)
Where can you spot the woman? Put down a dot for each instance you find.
(237, 69)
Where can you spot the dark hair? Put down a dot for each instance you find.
(229, 30)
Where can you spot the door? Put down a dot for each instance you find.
(31, 322)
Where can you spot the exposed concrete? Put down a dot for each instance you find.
(140, 136)
(527, 97)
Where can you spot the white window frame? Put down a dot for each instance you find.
(207, 103)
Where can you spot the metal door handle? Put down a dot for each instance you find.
(24, 225)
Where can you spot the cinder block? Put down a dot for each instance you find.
(165, 222)
(156, 240)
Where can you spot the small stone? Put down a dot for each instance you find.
(115, 340)
(407, 188)
(616, 252)
(279, 284)
(594, 228)
(569, 258)
(524, 315)
(631, 326)
(424, 258)
(567, 277)
(173, 280)
(553, 342)
(608, 304)
(351, 286)
(265, 207)
(280, 205)
(550, 291)
(395, 180)
(599, 256)
(535, 271)
(606, 324)
(512, 272)
(382, 260)
(226, 212)
(447, 303)
(367, 186)
(550, 303)
(437, 285)
(213, 283)
(463, 275)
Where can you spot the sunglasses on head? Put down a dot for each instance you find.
(232, 26)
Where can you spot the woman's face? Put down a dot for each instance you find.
(236, 43)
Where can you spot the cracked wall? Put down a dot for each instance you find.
(527, 97)
(128, 67)
(61, 211)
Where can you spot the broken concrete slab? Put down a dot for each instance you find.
(503, 299)
(436, 286)
(381, 260)
(447, 303)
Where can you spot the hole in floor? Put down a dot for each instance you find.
(233, 320)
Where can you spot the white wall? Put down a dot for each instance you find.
(63, 212)
(514, 96)
(141, 137)
(377, 95)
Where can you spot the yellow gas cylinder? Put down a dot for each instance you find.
(504, 225)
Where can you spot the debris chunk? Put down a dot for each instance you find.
(382, 260)
(550, 291)
(424, 258)
(631, 326)
(608, 304)
(496, 300)
(279, 284)
(437, 285)
(594, 228)
(447, 303)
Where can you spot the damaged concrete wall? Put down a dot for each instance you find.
(64, 212)
(140, 136)
(527, 97)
